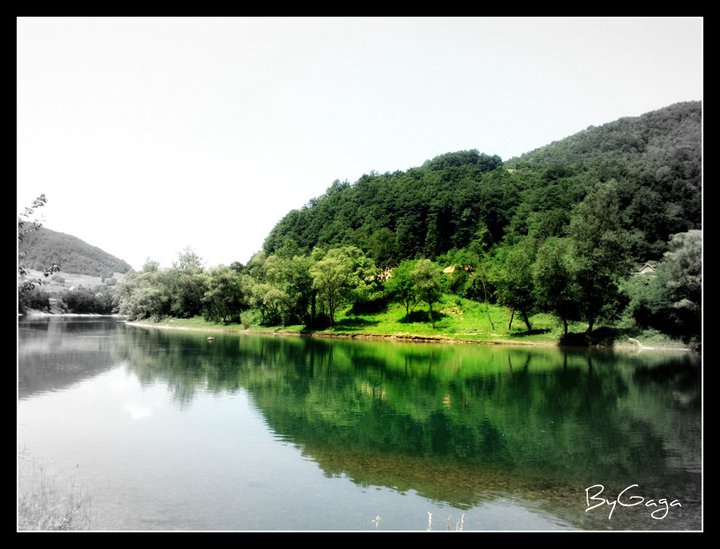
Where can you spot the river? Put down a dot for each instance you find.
(166, 430)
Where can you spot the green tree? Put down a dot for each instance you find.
(365, 280)
(670, 299)
(237, 267)
(426, 276)
(382, 247)
(681, 269)
(601, 252)
(515, 285)
(401, 285)
(144, 295)
(226, 295)
(270, 301)
(333, 277)
(554, 283)
(291, 275)
(151, 266)
(83, 300)
(188, 285)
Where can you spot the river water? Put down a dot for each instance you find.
(167, 430)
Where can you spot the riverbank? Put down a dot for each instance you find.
(214, 328)
(365, 328)
(32, 313)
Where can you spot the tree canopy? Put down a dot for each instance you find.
(654, 160)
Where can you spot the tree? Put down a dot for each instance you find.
(187, 285)
(83, 300)
(144, 295)
(515, 286)
(151, 266)
(426, 276)
(382, 247)
(365, 280)
(670, 299)
(272, 302)
(291, 275)
(333, 278)
(554, 283)
(401, 285)
(27, 298)
(226, 295)
(600, 252)
(36, 298)
(188, 262)
(26, 224)
(681, 270)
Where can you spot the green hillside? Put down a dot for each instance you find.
(449, 201)
(45, 247)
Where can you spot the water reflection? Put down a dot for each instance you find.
(461, 424)
(54, 353)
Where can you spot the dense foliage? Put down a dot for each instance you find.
(654, 160)
(45, 247)
(86, 301)
(559, 230)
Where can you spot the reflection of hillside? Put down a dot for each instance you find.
(57, 352)
(456, 424)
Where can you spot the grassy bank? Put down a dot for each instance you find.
(456, 319)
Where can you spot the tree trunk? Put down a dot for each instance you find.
(432, 318)
(526, 320)
(591, 323)
(565, 326)
(313, 308)
(512, 315)
(331, 309)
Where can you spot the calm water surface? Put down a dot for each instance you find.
(168, 431)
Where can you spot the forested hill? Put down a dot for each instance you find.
(46, 247)
(463, 197)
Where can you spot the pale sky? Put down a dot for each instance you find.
(148, 135)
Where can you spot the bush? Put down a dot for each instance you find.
(83, 301)
(249, 318)
(35, 298)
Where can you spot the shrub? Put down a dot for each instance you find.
(35, 298)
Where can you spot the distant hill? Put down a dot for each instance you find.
(463, 196)
(46, 247)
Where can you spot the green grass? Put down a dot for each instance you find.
(455, 318)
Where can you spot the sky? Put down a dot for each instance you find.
(150, 135)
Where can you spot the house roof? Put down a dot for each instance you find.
(647, 268)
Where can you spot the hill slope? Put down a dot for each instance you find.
(46, 247)
(459, 197)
